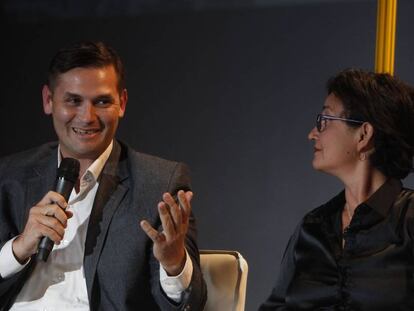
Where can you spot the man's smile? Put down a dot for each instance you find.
(85, 132)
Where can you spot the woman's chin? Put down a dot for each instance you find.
(316, 164)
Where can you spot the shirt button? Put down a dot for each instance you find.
(59, 277)
(88, 177)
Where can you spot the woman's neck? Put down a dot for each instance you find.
(360, 188)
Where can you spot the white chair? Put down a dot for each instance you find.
(225, 273)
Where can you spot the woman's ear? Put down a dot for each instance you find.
(365, 137)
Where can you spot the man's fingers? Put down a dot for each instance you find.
(69, 214)
(185, 198)
(176, 215)
(168, 198)
(53, 198)
(166, 220)
(189, 196)
(52, 223)
(153, 234)
(44, 226)
(54, 211)
(173, 215)
(181, 209)
(52, 234)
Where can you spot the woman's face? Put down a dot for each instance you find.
(335, 147)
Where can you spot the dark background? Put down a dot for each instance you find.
(230, 87)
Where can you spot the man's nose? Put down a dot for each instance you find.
(87, 112)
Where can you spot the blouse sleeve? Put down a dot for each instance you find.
(277, 299)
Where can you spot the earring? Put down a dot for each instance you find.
(362, 156)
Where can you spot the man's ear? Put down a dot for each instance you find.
(123, 102)
(47, 99)
(365, 137)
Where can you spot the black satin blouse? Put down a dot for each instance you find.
(373, 271)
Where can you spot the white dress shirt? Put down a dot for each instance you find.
(59, 283)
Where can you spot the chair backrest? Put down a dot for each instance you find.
(225, 273)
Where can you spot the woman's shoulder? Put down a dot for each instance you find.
(406, 198)
(406, 201)
(407, 191)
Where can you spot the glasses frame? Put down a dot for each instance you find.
(320, 117)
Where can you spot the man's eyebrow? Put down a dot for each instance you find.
(104, 96)
(69, 94)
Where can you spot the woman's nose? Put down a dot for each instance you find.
(313, 134)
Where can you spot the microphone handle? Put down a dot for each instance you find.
(64, 187)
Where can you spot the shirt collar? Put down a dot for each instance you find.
(382, 200)
(94, 170)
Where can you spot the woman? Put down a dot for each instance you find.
(355, 252)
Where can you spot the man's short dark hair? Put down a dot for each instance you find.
(85, 55)
(387, 103)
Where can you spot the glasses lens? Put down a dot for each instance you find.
(319, 122)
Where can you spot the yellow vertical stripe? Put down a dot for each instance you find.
(394, 29)
(386, 28)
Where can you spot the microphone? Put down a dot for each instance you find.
(67, 175)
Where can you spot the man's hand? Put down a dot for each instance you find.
(169, 245)
(46, 218)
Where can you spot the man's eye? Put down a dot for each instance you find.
(73, 101)
(103, 102)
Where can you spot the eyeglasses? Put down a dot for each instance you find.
(322, 118)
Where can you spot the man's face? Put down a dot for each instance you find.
(85, 105)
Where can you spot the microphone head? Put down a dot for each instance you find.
(69, 169)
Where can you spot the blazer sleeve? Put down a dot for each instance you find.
(195, 296)
(11, 219)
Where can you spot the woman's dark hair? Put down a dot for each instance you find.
(387, 103)
(85, 55)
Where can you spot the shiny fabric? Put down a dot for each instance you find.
(374, 269)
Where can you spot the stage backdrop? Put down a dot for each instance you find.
(231, 92)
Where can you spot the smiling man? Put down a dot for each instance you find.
(122, 240)
(85, 104)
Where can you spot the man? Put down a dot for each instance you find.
(101, 260)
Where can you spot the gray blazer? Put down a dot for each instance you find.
(120, 269)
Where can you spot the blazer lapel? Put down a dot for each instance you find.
(108, 198)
